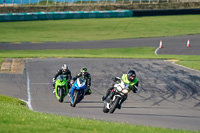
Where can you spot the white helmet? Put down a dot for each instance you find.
(64, 67)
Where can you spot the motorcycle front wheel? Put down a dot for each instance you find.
(114, 105)
(75, 98)
(61, 94)
(105, 110)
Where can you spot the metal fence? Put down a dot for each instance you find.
(72, 2)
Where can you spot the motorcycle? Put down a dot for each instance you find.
(120, 91)
(61, 87)
(77, 91)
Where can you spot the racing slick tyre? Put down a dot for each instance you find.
(75, 97)
(114, 105)
(105, 110)
(61, 94)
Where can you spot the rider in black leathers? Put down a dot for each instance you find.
(63, 71)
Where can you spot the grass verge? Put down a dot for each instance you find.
(28, 121)
(191, 61)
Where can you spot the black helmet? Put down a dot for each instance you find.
(64, 67)
(83, 69)
(131, 75)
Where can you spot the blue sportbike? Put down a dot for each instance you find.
(77, 91)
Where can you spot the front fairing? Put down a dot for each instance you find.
(122, 87)
(79, 87)
(61, 82)
(80, 84)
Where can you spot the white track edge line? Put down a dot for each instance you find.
(182, 66)
(28, 87)
(155, 52)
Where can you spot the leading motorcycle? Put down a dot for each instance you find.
(114, 101)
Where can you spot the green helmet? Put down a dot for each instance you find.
(83, 69)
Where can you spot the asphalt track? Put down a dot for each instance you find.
(168, 95)
(172, 45)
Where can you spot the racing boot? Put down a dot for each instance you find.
(103, 98)
(53, 90)
(119, 106)
(53, 85)
(88, 92)
(107, 94)
(110, 96)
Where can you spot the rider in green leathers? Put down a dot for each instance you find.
(129, 78)
(84, 73)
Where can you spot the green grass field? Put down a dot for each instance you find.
(16, 117)
(98, 29)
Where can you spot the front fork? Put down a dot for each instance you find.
(110, 97)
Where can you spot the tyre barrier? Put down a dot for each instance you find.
(140, 13)
(93, 14)
(64, 15)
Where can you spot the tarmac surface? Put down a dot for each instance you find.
(168, 96)
(172, 45)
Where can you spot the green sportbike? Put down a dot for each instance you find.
(61, 87)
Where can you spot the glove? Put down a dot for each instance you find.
(72, 82)
(115, 79)
(134, 89)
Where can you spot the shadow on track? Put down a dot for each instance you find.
(158, 115)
